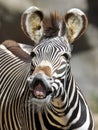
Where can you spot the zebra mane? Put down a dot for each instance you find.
(17, 50)
(53, 24)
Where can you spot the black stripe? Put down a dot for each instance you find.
(67, 83)
(71, 88)
(37, 122)
(11, 116)
(91, 123)
(74, 99)
(83, 116)
(7, 118)
(48, 125)
(74, 115)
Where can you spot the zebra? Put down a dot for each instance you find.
(38, 90)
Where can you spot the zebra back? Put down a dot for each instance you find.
(13, 74)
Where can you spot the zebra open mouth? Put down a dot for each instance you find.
(40, 90)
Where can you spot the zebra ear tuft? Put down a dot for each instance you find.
(76, 23)
(32, 23)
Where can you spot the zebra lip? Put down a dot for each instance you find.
(40, 91)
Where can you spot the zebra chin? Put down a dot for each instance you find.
(40, 103)
(40, 89)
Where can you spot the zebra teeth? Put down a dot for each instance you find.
(39, 91)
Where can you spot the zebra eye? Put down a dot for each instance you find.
(32, 54)
(66, 56)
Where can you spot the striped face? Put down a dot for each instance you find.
(49, 69)
(50, 57)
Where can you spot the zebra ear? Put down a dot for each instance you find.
(32, 23)
(76, 23)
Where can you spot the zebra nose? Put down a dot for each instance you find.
(44, 67)
(39, 87)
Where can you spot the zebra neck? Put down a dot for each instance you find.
(62, 102)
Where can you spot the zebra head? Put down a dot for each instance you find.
(50, 66)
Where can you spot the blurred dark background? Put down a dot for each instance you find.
(85, 52)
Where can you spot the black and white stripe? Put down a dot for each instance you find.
(13, 75)
(66, 109)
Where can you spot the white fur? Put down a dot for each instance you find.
(31, 9)
(76, 11)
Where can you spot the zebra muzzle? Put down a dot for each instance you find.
(39, 87)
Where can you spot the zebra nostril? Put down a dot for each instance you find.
(50, 79)
(30, 80)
